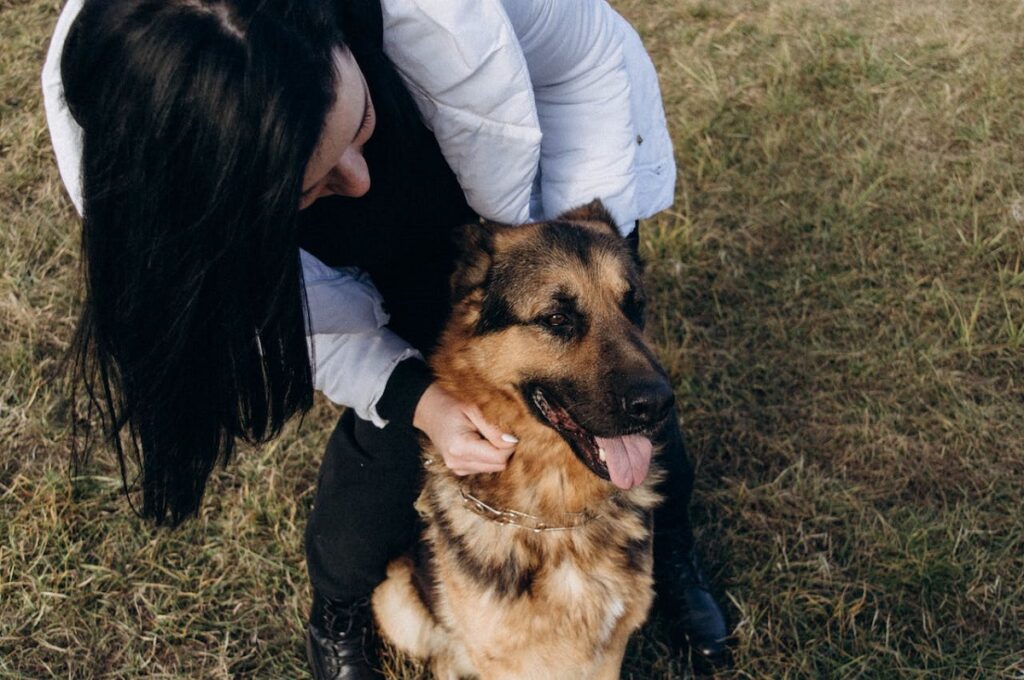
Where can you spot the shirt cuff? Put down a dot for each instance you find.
(407, 383)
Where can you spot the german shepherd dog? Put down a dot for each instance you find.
(544, 569)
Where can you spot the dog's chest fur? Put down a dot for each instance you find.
(498, 601)
(549, 599)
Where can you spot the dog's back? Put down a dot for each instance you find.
(542, 570)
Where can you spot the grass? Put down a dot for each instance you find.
(838, 294)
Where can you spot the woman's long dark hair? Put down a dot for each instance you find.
(199, 117)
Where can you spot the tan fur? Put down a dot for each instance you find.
(547, 605)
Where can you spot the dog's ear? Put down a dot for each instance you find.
(475, 244)
(592, 212)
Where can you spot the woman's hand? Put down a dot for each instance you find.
(468, 443)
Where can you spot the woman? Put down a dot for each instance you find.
(206, 141)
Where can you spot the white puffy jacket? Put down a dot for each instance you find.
(538, 106)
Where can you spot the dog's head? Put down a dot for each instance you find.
(554, 312)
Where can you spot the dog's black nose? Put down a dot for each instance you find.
(648, 402)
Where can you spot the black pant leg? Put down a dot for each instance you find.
(363, 515)
(672, 517)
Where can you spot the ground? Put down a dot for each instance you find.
(838, 294)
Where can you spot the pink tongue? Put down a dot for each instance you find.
(628, 459)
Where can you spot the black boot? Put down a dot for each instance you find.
(340, 641)
(685, 600)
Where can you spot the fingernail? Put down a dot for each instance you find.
(509, 438)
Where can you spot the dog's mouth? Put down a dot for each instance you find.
(623, 460)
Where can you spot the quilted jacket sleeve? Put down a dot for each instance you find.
(463, 66)
(597, 101)
(353, 354)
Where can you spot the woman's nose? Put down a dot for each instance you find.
(350, 176)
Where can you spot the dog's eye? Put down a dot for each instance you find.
(567, 325)
(557, 320)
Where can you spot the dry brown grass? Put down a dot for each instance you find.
(839, 295)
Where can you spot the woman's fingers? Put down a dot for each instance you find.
(471, 453)
(493, 434)
(466, 441)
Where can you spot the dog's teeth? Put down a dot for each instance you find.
(600, 453)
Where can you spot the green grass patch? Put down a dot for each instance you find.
(838, 294)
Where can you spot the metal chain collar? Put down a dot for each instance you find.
(522, 520)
